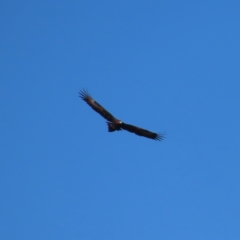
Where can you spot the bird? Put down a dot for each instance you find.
(115, 124)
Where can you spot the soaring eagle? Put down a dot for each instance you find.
(115, 124)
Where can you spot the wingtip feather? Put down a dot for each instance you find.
(159, 137)
(83, 94)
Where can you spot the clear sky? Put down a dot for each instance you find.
(168, 66)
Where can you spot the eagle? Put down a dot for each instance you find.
(115, 124)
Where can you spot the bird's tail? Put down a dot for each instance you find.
(110, 127)
(113, 127)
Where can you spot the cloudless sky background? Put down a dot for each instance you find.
(168, 66)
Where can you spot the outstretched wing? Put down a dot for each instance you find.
(142, 132)
(95, 105)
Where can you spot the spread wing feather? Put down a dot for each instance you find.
(142, 132)
(95, 105)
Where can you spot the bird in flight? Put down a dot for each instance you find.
(115, 124)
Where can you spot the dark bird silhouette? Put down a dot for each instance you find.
(113, 123)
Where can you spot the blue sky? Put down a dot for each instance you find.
(167, 66)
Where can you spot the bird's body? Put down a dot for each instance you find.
(115, 124)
